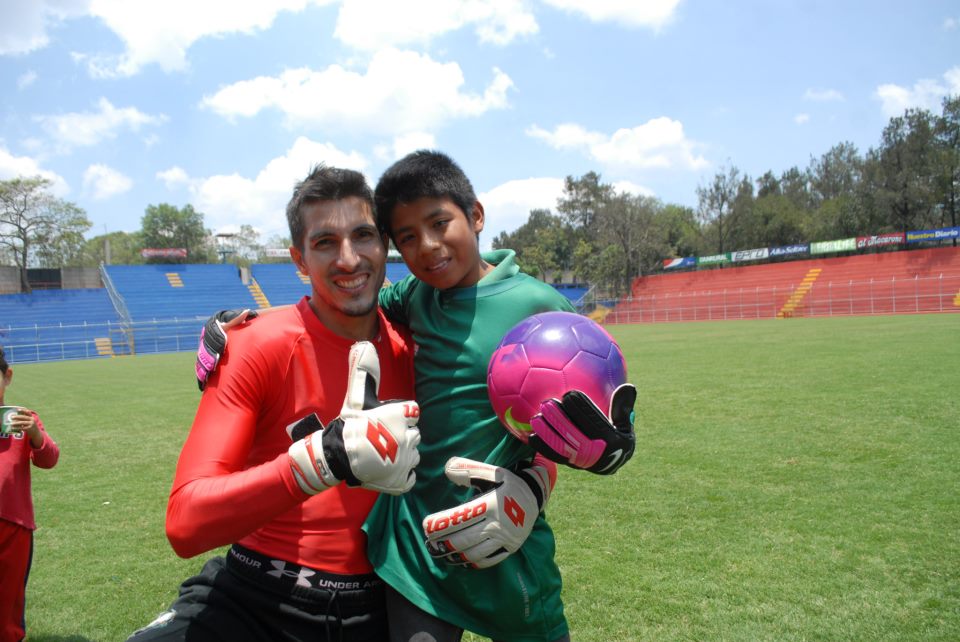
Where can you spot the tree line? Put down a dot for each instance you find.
(603, 237)
(910, 181)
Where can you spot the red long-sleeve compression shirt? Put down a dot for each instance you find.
(233, 481)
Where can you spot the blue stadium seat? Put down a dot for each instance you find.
(56, 324)
(280, 282)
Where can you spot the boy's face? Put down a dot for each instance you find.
(438, 242)
(345, 257)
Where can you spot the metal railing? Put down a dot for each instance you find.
(848, 298)
(27, 344)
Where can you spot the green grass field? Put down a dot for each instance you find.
(793, 480)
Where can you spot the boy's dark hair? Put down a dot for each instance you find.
(423, 173)
(3, 362)
(324, 184)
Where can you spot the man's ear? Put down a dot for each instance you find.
(477, 216)
(297, 257)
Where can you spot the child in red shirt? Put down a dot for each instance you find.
(22, 442)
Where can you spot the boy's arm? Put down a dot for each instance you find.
(44, 452)
(213, 336)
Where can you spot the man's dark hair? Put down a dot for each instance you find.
(3, 362)
(423, 173)
(324, 184)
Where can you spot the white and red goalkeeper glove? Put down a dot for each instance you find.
(372, 444)
(485, 530)
(577, 433)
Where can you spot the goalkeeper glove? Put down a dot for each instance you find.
(371, 444)
(577, 433)
(213, 341)
(485, 530)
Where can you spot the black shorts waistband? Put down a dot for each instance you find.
(290, 577)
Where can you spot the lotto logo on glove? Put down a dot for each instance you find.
(485, 530)
(371, 444)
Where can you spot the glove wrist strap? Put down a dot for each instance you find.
(335, 453)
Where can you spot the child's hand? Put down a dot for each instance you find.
(25, 422)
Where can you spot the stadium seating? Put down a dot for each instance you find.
(164, 306)
(57, 324)
(926, 280)
(282, 283)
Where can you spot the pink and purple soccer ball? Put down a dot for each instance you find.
(543, 357)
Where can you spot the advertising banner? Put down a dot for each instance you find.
(790, 250)
(685, 262)
(942, 234)
(164, 252)
(750, 255)
(880, 240)
(713, 260)
(840, 245)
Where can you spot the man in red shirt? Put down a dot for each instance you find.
(253, 472)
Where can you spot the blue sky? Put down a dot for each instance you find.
(225, 104)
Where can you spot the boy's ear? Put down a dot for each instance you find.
(8, 376)
(477, 217)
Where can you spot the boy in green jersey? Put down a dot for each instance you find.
(458, 304)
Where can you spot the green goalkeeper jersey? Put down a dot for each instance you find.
(456, 332)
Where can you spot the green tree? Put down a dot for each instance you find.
(582, 200)
(165, 226)
(681, 231)
(906, 158)
(836, 190)
(113, 248)
(947, 135)
(715, 204)
(37, 228)
(543, 244)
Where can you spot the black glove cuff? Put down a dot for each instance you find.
(522, 470)
(336, 454)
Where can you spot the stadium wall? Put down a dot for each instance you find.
(9, 280)
(80, 278)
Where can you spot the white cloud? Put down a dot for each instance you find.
(25, 167)
(400, 92)
(801, 119)
(174, 177)
(162, 32)
(507, 206)
(659, 143)
(823, 95)
(26, 79)
(103, 182)
(374, 24)
(231, 199)
(951, 23)
(24, 23)
(89, 128)
(633, 13)
(629, 187)
(404, 144)
(925, 94)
